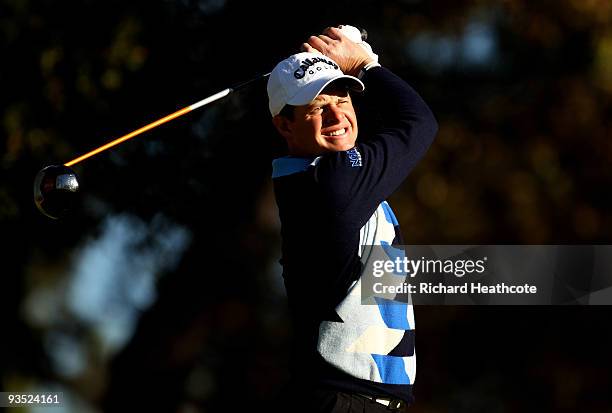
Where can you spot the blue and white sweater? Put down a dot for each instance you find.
(331, 207)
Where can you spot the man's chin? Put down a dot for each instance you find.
(339, 146)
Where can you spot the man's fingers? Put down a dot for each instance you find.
(323, 43)
(333, 33)
(317, 43)
(326, 39)
(308, 48)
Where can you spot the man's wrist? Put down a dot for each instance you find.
(367, 67)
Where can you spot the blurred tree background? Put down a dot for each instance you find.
(162, 292)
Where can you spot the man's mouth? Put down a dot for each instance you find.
(336, 133)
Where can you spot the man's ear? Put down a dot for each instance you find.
(283, 126)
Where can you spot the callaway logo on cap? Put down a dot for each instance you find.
(300, 78)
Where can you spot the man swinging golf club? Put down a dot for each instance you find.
(331, 193)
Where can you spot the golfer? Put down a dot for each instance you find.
(331, 192)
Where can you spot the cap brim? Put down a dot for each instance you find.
(315, 88)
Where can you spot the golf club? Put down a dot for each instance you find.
(56, 187)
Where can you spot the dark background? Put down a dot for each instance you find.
(162, 291)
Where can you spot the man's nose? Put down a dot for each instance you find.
(334, 115)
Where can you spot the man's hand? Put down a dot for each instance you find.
(350, 56)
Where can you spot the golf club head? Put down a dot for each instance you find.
(56, 191)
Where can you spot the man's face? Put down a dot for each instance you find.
(327, 124)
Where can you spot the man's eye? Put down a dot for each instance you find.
(343, 101)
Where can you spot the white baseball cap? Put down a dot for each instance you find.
(300, 78)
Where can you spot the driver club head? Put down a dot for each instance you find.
(56, 191)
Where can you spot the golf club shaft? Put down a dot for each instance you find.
(163, 120)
